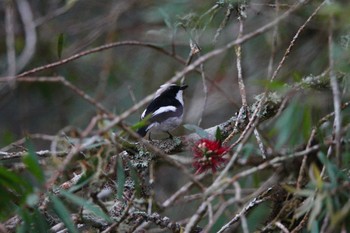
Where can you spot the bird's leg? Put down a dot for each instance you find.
(149, 136)
(170, 136)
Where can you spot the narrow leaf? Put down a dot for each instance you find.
(63, 213)
(32, 164)
(81, 202)
(26, 220)
(315, 176)
(218, 135)
(13, 181)
(120, 178)
(136, 180)
(142, 122)
(329, 168)
(40, 223)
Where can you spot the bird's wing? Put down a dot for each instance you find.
(160, 103)
(164, 113)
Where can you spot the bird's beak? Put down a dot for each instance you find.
(183, 87)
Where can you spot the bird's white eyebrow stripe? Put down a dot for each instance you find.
(164, 109)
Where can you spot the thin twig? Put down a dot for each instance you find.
(242, 89)
(205, 92)
(15, 155)
(291, 44)
(252, 204)
(177, 194)
(228, 166)
(250, 125)
(328, 116)
(95, 50)
(260, 143)
(163, 222)
(198, 215)
(10, 42)
(223, 23)
(30, 33)
(303, 163)
(335, 91)
(282, 227)
(44, 137)
(223, 206)
(301, 223)
(238, 51)
(274, 161)
(123, 216)
(63, 166)
(273, 42)
(66, 83)
(288, 50)
(238, 198)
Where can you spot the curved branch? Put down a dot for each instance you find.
(30, 33)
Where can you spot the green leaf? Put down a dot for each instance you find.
(60, 42)
(331, 9)
(39, 222)
(135, 178)
(7, 199)
(81, 202)
(26, 220)
(13, 181)
(315, 176)
(63, 213)
(330, 169)
(201, 132)
(141, 123)
(32, 163)
(7, 137)
(120, 178)
(294, 125)
(314, 227)
(218, 135)
(22, 228)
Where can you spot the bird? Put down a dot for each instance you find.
(165, 111)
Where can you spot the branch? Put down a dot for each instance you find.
(30, 33)
(20, 154)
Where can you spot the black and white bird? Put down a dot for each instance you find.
(165, 112)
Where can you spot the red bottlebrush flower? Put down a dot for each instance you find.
(208, 154)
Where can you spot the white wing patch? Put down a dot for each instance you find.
(164, 109)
